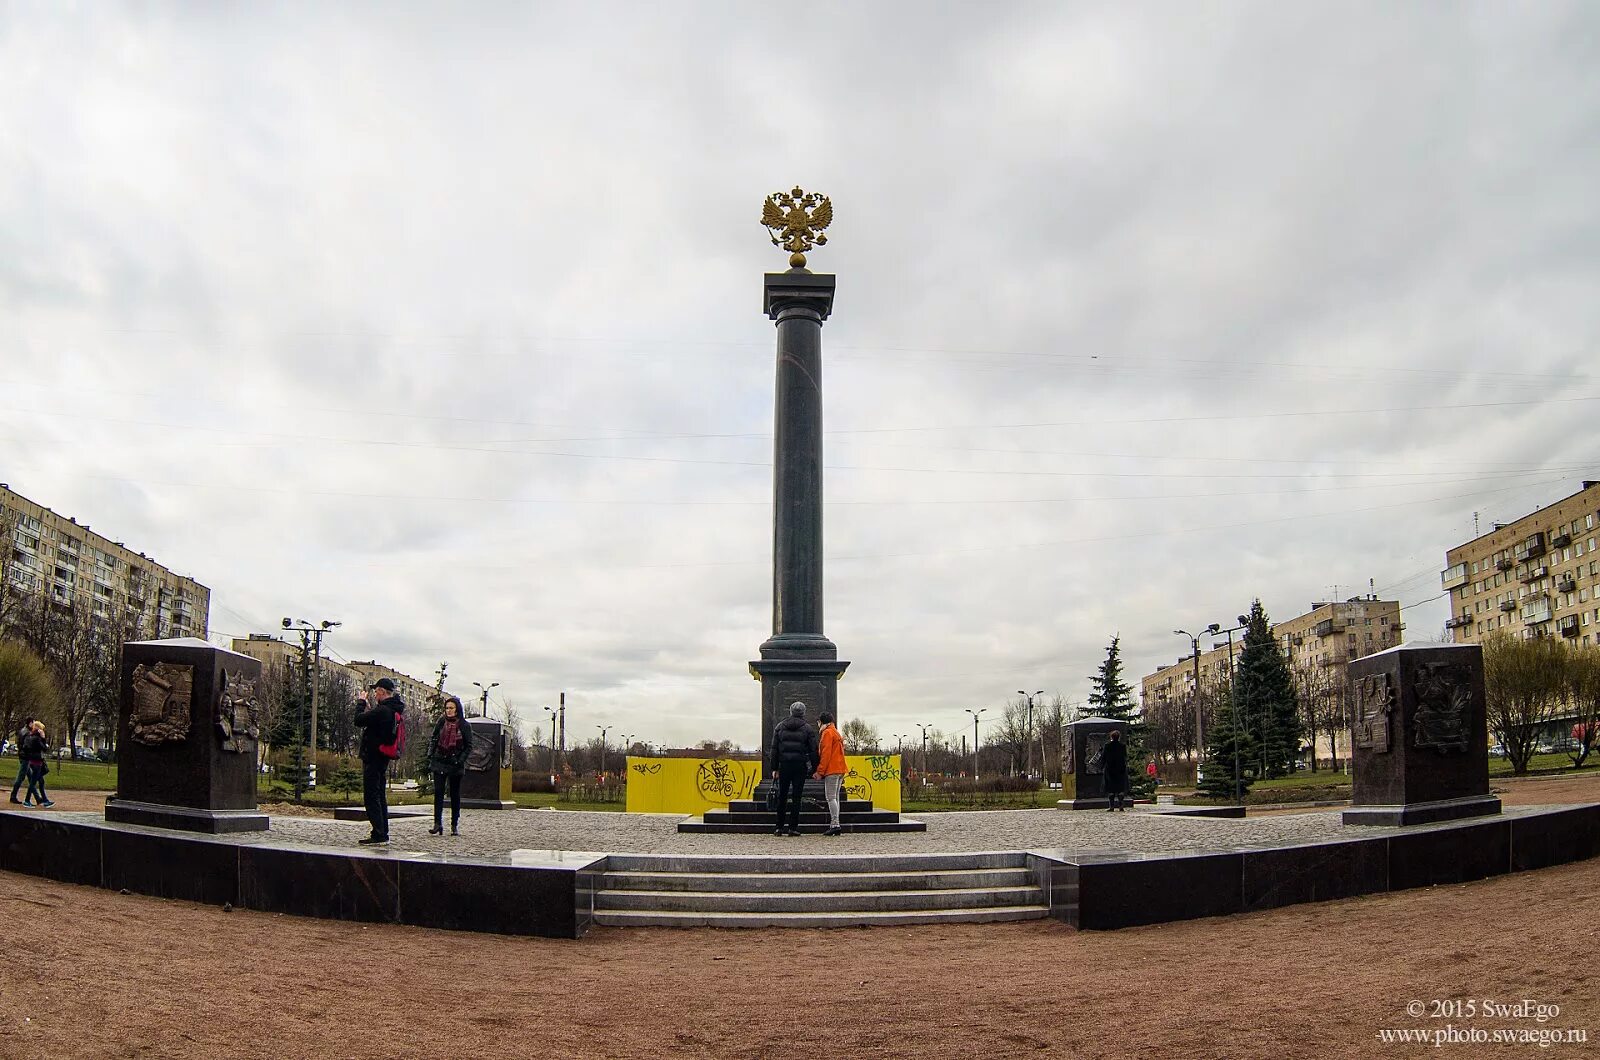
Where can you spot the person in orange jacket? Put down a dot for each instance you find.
(830, 769)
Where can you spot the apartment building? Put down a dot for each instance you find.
(273, 651)
(276, 651)
(1534, 577)
(415, 693)
(1323, 639)
(44, 554)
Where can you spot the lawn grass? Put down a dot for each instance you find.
(68, 775)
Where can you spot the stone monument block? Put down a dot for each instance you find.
(187, 732)
(1083, 780)
(1420, 734)
(486, 783)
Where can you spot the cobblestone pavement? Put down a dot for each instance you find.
(490, 832)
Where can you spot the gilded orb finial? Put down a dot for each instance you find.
(795, 221)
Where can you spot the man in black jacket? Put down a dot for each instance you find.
(22, 763)
(794, 758)
(1115, 760)
(379, 724)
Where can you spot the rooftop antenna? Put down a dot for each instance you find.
(1474, 524)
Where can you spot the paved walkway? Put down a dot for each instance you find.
(489, 832)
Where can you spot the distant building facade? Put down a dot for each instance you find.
(51, 556)
(1321, 640)
(1535, 577)
(415, 693)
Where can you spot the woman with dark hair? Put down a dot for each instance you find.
(447, 760)
(33, 750)
(830, 769)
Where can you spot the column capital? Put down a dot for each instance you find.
(797, 288)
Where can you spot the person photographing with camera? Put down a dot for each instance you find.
(381, 719)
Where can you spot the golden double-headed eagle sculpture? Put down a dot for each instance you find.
(795, 220)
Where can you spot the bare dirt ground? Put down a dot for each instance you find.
(120, 975)
(97, 974)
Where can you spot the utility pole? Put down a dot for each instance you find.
(563, 728)
(311, 639)
(552, 712)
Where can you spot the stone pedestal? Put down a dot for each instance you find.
(1083, 781)
(1420, 736)
(187, 729)
(486, 784)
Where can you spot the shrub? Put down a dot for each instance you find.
(526, 780)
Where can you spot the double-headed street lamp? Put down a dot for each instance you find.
(1199, 713)
(603, 730)
(483, 711)
(311, 635)
(1233, 705)
(1028, 732)
(625, 744)
(975, 714)
(924, 726)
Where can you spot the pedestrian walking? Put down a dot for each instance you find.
(830, 769)
(22, 763)
(34, 746)
(383, 734)
(447, 760)
(1114, 760)
(793, 758)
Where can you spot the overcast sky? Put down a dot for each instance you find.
(444, 321)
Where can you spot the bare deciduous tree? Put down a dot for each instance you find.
(1526, 681)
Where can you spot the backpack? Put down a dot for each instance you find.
(397, 743)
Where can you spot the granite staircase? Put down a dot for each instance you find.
(819, 891)
(751, 817)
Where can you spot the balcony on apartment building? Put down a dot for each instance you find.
(1561, 540)
(1504, 563)
(1508, 605)
(1567, 584)
(1531, 548)
(1329, 626)
(1536, 610)
(1458, 622)
(1451, 578)
(1533, 574)
(1568, 626)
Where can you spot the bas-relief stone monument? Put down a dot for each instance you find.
(1083, 779)
(1420, 735)
(798, 662)
(486, 782)
(187, 733)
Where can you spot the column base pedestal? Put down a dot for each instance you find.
(1424, 812)
(184, 818)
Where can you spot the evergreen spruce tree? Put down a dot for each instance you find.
(1112, 697)
(1264, 696)
(1230, 752)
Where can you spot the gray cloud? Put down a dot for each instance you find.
(449, 328)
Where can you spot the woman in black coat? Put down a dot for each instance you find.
(33, 749)
(447, 760)
(1115, 760)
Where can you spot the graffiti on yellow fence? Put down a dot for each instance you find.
(695, 785)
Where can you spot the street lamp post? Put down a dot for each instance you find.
(1199, 714)
(310, 634)
(552, 712)
(975, 714)
(603, 730)
(924, 726)
(625, 744)
(483, 711)
(1233, 704)
(1028, 732)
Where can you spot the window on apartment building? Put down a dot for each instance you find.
(1384, 620)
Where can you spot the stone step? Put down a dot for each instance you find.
(860, 817)
(700, 824)
(641, 918)
(814, 902)
(788, 864)
(814, 882)
(753, 806)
